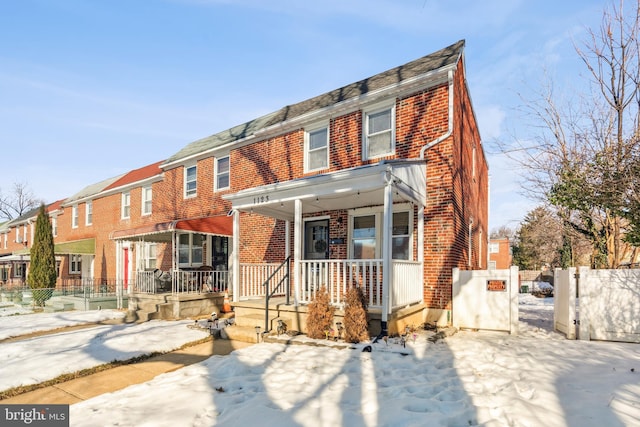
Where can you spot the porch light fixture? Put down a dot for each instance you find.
(257, 333)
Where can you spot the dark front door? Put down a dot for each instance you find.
(316, 239)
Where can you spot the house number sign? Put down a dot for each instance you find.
(261, 199)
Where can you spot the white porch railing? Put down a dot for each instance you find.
(407, 285)
(253, 276)
(181, 281)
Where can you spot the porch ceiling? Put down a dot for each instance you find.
(346, 189)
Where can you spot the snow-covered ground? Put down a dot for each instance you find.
(472, 378)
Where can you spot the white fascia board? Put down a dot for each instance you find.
(307, 188)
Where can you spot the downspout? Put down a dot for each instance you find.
(437, 141)
(449, 131)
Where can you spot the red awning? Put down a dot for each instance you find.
(218, 225)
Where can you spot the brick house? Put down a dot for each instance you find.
(500, 254)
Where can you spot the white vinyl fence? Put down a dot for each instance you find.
(486, 299)
(607, 307)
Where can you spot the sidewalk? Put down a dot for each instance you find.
(117, 378)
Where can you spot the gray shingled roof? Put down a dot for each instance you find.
(431, 62)
(92, 189)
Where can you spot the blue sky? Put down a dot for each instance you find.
(90, 89)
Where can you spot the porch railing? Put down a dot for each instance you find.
(407, 285)
(340, 275)
(181, 281)
(253, 276)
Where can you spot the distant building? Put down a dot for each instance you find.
(499, 254)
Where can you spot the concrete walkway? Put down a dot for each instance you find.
(117, 378)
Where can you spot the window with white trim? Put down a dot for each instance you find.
(125, 211)
(147, 196)
(150, 257)
(366, 233)
(190, 249)
(316, 149)
(379, 132)
(75, 264)
(6, 238)
(222, 173)
(89, 213)
(74, 216)
(54, 226)
(190, 181)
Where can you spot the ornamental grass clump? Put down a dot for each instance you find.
(320, 315)
(356, 327)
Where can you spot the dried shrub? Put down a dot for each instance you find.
(356, 327)
(320, 315)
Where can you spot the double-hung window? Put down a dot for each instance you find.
(126, 205)
(75, 264)
(379, 132)
(54, 226)
(190, 181)
(150, 257)
(316, 149)
(89, 213)
(74, 216)
(222, 173)
(147, 195)
(366, 233)
(190, 249)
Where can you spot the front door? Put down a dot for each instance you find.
(316, 248)
(316, 239)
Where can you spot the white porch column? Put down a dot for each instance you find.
(235, 257)
(387, 269)
(297, 250)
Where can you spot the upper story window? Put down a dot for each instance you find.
(75, 219)
(222, 173)
(494, 248)
(190, 181)
(316, 149)
(126, 205)
(379, 132)
(54, 226)
(147, 195)
(89, 213)
(6, 238)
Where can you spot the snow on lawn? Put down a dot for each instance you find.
(535, 379)
(34, 360)
(470, 379)
(13, 326)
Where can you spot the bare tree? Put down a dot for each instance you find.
(19, 200)
(585, 154)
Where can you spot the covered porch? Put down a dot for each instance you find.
(378, 211)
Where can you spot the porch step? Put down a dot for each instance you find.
(145, 316)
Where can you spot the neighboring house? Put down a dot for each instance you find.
(381, 184)
(499, 254)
